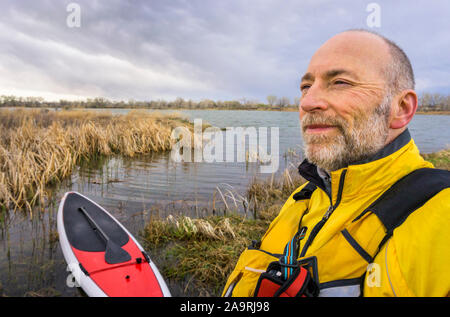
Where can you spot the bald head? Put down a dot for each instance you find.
(397, 68)
(364, 54)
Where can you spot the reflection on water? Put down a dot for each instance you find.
(31, 262)
(154, 181)
(135, 189)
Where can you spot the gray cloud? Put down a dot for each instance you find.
(199, 49)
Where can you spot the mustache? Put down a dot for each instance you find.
(315, 119)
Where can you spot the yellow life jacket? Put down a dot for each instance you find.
(354, 250)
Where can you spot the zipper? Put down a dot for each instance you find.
(256, 246)
(327, 215)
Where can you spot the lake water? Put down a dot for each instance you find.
(132, 190)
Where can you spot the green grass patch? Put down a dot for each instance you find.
(439, 159)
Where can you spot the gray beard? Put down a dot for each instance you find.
(360, 142)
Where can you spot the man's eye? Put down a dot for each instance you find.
(340, 82)
(304, 87)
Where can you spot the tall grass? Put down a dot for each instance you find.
(200, 253)
(41, 147)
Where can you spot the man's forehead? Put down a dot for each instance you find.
(355, 54)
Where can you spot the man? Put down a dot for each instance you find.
(338, 230)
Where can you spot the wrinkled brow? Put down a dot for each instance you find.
(330, 74)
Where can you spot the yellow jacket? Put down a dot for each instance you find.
(413, 262)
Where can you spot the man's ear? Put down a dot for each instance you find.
(403, 109)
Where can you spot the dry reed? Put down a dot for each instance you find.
(204, 251)
(41, 147)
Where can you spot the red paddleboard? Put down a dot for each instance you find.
(103, 257)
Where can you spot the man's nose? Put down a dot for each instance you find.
(313, 99)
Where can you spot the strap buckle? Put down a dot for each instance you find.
(299, 284)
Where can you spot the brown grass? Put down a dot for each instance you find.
(202, 251)
(41, 147)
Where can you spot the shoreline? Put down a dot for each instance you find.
(443, 113)
(288, 109)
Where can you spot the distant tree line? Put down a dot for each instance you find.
(178, 103)
(434, 102)
(427, 102)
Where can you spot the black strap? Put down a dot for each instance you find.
(404, 197)
(407, 195)
(306, 192)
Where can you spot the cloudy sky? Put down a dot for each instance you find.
(221, 49)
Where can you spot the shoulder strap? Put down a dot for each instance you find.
(290, 253)
(407, 195)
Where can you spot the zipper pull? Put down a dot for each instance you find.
(302, 233)
(328, 213)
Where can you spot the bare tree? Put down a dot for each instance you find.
(271, 100)
(283, 102)
(447, 103)
(178, 102)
